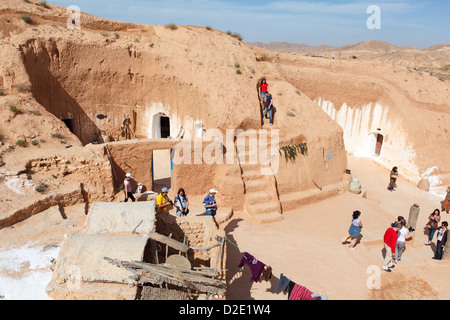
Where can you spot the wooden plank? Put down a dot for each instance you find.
(157, 275)
(168, 241)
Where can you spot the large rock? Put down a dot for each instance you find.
(424, 184)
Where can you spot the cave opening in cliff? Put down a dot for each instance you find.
(160, 126)
(69, 124)
(375, 144)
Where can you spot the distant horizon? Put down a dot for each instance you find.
(349, 44)
(404, 23)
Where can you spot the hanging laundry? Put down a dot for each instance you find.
(283, 283)
(301, 293)
(289, 288)
(256, 266)
(267, 274)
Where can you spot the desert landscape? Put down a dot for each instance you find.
(82, 107)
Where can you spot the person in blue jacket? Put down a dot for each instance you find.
(210, 203)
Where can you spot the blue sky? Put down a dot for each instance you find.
(416, 23)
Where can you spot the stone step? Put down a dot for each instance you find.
(252, 175)
(267, 217)
(255, 185)
(257, 197)
(263, 207)
(292, 201)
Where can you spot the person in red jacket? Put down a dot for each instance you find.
(390, 242)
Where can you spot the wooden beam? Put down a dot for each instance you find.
(169, 241)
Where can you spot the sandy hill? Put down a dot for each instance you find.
(412, 105)
(434, 59)
(289, 47)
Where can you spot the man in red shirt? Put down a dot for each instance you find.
(390, 241)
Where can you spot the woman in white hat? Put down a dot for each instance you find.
(127, 188)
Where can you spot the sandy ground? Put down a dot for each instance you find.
(305, 247)
(29, 249)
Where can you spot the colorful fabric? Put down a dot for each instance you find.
(390, 238)
(290, 287)
(160, 200)
(264, 87)
(301, 293)
(282, 283)
(256, 266)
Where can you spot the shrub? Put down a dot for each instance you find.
(43, 4)
(41, 188)
(27, 19)
(15, 110)
(237, 36)
(237, 65)
(57, 135)
(21, 143)
(24, 88)
(291, 152)
(2, 93)
(172, 26)
(238, 71)
(208, 28)
(27, 1)
(34, 142)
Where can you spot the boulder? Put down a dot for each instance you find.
(424, 183)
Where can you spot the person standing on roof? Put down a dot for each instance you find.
(269, 108)
(128, 188)
(263, 89)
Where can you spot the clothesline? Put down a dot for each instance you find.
(296, 292)
(273, 270)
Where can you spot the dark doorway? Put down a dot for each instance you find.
(165, 127)
(379, 145)
(69, 124)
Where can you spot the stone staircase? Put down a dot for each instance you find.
(261, 199)
(261, 196)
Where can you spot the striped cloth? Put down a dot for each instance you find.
(300, 293)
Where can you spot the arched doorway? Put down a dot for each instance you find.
(375, 144)
(160, 126)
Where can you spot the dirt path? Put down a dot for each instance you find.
(306, 246)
